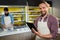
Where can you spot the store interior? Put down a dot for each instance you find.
(25, 11)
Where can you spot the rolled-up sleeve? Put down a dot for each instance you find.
(54, 27)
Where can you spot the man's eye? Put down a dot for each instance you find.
(39, 8)
(43, 7)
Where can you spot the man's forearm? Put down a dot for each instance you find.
(46, 36)
(40, 35)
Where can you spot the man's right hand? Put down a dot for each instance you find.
(36, 32)
(4, 26)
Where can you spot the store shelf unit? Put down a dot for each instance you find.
(19, 19)
(19, 16)
(18, 13)
(33, 13)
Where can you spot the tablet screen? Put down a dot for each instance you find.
(31, 25)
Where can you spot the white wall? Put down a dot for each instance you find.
(56, 8)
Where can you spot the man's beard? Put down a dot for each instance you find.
(6, 14)
(43, 14)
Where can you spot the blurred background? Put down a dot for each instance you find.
(26, 11)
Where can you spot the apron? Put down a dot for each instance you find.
(43, 28)
(8, 25)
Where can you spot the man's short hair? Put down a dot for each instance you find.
(47, 4)
(5, 9)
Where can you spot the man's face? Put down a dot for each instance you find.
(6, 12)
(43, 8)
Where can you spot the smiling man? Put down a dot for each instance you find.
(45, 21)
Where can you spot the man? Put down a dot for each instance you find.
(7, 20)
(48, 21)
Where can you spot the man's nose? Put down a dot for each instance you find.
(42, 9)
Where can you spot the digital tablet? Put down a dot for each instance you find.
(31, 25)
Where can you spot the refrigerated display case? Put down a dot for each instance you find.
(19, 16)
(33, 13)
(18, 13)
(19, 19)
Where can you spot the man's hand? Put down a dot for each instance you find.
(36, 32)
(4, 26)
(41, 35)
